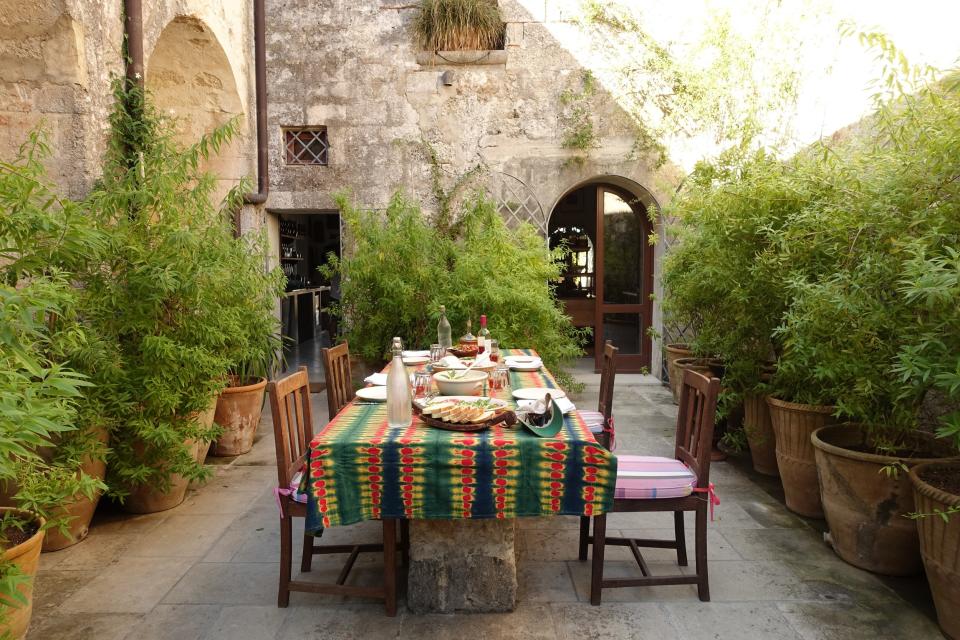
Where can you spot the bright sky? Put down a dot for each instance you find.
(837, 72)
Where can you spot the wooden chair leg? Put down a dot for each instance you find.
(584, 536)
(703, 584)
(681, 538)
(306, 557)
(596, 574)
(390, 566)
(286, 560)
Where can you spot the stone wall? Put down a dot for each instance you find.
(57, 58)
(353, 67)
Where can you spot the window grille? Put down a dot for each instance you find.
(306, 145)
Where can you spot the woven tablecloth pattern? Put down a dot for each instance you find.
(360, 469)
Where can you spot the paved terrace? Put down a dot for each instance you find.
(208, 569)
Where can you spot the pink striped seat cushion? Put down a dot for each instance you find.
(646, 477)
(594, 420)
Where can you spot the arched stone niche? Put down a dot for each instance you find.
(191, 79)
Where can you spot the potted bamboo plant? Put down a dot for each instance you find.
(162, 298)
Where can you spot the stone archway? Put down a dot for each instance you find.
(191, 79)
(609, 273)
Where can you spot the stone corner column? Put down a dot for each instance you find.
(462, 566)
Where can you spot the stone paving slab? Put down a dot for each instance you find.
(207, 570)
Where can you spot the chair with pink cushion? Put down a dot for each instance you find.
(600, 422)
(678, 484)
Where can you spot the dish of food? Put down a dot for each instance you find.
(463, 413)
(464, 350)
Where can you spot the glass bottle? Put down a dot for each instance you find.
(399, 409)
(468, 337)
(444, 333)
(483, 336)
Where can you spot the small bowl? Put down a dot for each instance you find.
(465, 384)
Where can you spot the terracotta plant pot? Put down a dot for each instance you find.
(865, 507)
(793, 424)
(760, 435)
(940, 540)
(238, 414)
(26, 555)
(147, 499)
(673, 353)
(80, 508)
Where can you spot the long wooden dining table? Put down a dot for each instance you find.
(462, 491)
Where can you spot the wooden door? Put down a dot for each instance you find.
(624, 279)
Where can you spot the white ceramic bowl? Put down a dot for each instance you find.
(457, 383)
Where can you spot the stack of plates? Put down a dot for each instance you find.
(523, 363)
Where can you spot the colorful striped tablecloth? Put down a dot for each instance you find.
(359, 469)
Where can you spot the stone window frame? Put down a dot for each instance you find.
(297, 143)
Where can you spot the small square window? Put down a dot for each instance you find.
(306, 145)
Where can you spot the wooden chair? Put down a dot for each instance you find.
(689, 484)
(292, 428)
(336, 368)
(599, 421)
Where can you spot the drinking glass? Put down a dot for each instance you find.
(494, 351)
(436, 353)
(422, 384)
(500, 378)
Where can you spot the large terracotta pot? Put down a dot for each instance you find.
(147, 499)
(793, 424)
(80, 508)
(674, 352)
(238, 414)
(26, 555)
(760, 435)
(865, 506)
(940, 539)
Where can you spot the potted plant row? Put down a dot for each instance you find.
(840, 265)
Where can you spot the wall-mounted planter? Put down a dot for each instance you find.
(466, 58)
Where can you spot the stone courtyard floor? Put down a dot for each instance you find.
(208, 569)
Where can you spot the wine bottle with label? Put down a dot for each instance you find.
(483, 336)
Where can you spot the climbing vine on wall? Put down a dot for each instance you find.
(576, 122)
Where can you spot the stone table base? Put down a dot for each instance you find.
(462, 565)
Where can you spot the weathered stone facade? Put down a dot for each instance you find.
(349, 65)
(57, 58)
(353, 67)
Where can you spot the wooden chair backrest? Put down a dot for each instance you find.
(292, 422)
(698, 410)
(608, 373)
(336, 367)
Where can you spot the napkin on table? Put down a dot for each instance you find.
(566, 406)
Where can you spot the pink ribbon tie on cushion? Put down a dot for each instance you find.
(608, 429)
(280, 491)
(712, 497)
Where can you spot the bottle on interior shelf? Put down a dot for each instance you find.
(399, 409)
(483, 336)
(444, 332)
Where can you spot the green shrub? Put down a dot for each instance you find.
(398, 269)
(455, 25)
(179, 300)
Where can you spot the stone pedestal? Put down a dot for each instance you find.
(462, 565)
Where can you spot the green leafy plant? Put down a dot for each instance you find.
(576, 120)
(459, 25)
(179, 300)
(41, 237)
(399, 268)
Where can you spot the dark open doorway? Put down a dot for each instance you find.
(608, 274)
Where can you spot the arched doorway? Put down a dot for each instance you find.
(608, 274)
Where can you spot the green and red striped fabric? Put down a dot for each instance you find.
(359, 469)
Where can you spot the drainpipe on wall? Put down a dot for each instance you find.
(133, 34)
(260, 70)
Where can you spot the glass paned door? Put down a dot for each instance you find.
(624, 264)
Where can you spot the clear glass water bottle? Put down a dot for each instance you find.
(399, 409)
(444, 333)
